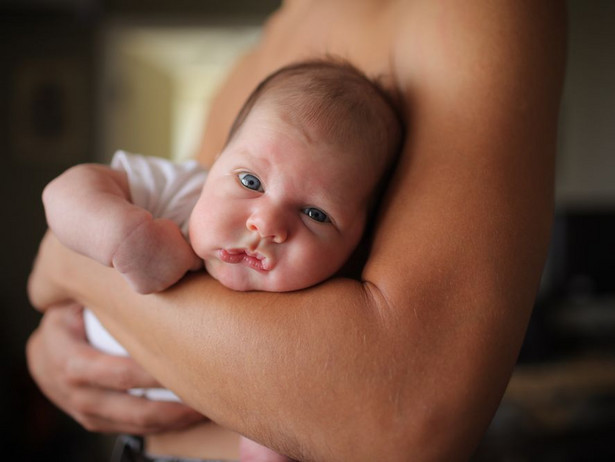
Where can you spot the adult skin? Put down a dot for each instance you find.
(411, 361)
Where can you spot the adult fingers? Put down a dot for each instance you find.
(105, 411)
(87, 366)
(91, 367)
(90, 386)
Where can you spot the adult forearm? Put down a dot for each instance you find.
(333, 373)
(287, 371)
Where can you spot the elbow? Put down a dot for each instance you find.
(429, 435)
(59, 197)
(49, 194)
(55, 191)
(383, 438)
(51, 198)
(409, 409)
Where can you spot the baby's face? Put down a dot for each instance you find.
(280, 210)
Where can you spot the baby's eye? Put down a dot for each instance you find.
(316, 215)
(250, 181)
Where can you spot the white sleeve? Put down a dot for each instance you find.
(164, 188)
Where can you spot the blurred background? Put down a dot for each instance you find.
(80, 78)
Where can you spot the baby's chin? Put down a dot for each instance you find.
(235, 284)
(230, 277)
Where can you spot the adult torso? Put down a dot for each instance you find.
(362, 31)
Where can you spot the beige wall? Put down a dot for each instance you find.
(158, 82)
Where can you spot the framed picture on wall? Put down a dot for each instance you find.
(50, 111)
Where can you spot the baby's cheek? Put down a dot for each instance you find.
(203, 235)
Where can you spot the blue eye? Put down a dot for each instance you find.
(250, 181)
(316, 215)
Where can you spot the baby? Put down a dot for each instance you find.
(282, 208)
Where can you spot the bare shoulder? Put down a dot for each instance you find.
(463, 230)
(452, 43)
(481, 83)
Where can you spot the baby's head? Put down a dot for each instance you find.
(287, 200)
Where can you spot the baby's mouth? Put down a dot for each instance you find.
(251, 259)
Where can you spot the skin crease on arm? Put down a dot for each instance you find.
(411, 362)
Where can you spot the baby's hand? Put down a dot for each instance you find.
(155, 256)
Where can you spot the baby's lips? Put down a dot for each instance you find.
(252, 259)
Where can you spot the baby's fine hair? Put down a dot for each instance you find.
(338, 100)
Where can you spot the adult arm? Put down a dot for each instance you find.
(411, 361)
(89, 209)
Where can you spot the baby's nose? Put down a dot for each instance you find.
(269, 223)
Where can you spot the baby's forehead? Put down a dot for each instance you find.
(322, 127)
(343, 160)
(348, 176)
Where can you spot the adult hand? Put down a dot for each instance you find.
(91, 386)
